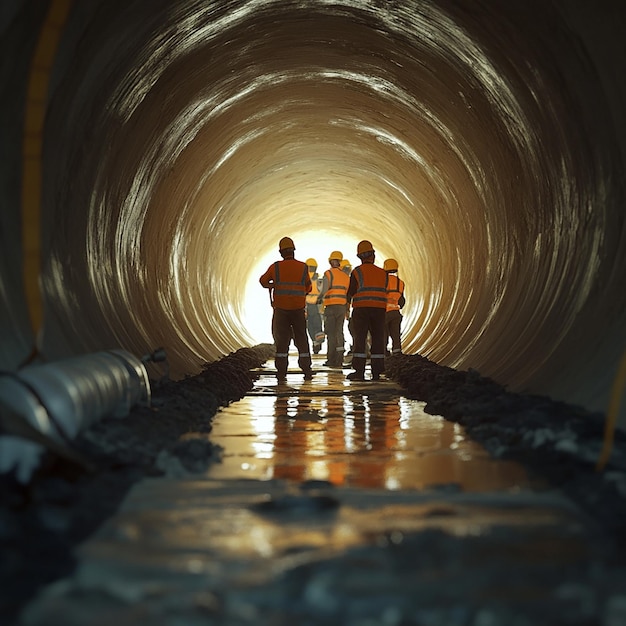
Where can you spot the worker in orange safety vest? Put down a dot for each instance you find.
(367, 293)
(289, 283)
(333, 295)
(395, 301)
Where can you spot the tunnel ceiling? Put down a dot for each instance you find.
(478, 143)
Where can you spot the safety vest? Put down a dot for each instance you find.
(372, 286)
(291, 283)
(395, 289)
(338, 282)
(315, 290)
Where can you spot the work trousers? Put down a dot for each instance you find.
(288, 324)
(313, 322)
(393, 322)
(372, 320)
(334, 316)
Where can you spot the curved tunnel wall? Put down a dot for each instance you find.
(481, 145)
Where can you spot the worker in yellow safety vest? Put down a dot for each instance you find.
(334, 295)
(290, 283)
(395, 301)
(367, 292)
(346, 267)
(313, 313)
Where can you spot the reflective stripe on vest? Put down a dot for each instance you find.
(338, 283)
(395, 289)
(372, 286)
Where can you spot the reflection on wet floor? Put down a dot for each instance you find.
(351, 434)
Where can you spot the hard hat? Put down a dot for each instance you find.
(364, 248)
(286, 243)
(311, 262)
(345, 263)
(390, 265)
(335, 256)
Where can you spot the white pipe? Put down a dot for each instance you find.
(62, 398)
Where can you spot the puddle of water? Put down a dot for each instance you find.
(361, 440)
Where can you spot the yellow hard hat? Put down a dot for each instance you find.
(335, 256)
(345, 263)
(364, 248)
(311, 262)
(286, 243)
(390, 265)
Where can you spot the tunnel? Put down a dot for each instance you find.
(154, 153)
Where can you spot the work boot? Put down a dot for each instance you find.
(378, 375)
(356, 376)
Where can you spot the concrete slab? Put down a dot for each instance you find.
(194, 548)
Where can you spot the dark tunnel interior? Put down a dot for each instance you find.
(481, 144)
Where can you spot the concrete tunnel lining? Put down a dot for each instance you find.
(481, 146)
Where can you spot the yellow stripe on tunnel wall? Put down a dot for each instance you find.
(612, 414)
(35, 112)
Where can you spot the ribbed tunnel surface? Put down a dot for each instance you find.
(480, 144)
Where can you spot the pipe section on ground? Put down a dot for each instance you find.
(480, 144)
(61, 399)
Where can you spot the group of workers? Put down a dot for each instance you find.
(374, 295)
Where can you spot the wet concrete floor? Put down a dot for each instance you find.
(322, 482)
(358, 434)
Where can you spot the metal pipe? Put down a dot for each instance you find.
(62, 398)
